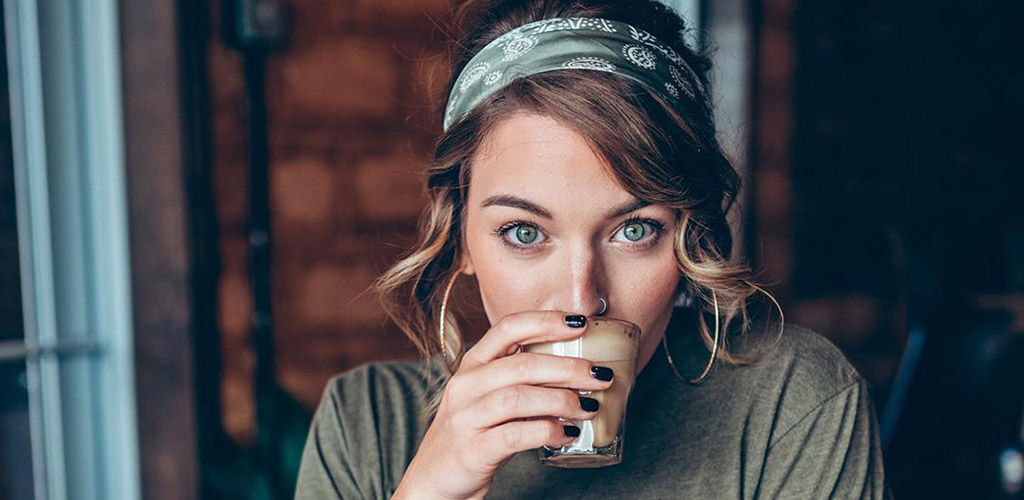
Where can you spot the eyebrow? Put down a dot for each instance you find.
(507, 200)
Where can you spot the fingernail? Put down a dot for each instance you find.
(576, 320)
(602, 373)
(571, 430)
(589, 404)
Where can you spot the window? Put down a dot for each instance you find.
(66, 356)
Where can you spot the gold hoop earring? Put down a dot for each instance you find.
(714, 350)
(444, 307)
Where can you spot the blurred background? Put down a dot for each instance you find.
(194, 197)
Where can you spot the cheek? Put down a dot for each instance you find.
(644, 290)
(507, 284)
(503, 293)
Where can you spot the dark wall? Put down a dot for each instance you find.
(907, 140)
(906, 176)
(158, 242)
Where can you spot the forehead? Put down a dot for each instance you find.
(536, 157)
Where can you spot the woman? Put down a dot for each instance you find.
(578, 175)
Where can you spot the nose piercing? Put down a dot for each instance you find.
(604, 306)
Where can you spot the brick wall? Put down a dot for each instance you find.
(350, 128)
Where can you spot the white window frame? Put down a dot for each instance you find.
(68, 145)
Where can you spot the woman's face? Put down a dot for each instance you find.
(548, 228)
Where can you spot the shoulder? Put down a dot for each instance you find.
(797, 355)
(823, 438)
(796, 371)
(399, 387)
(810, 357)
(392, 378)
(366, 429)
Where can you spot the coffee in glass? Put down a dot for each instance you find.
(606, 342)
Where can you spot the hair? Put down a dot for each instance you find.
(659, 152)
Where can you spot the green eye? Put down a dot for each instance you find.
(634, 231)
(526, 234)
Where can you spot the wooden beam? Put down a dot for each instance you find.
(159, 249)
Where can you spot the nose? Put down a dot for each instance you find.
(583, 283)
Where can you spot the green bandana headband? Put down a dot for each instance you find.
(573, 43)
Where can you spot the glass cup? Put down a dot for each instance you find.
(607, 342)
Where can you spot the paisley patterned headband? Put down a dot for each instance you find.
(573, 43)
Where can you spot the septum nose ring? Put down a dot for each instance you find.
(604, 307)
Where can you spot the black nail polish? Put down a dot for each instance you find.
(576, 320)
(602, 373)
(589, 404)
(571, 430)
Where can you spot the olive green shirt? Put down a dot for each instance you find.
(796, 424)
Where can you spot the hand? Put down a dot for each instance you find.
(499, 402)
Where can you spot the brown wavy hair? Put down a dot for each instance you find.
(658, 152)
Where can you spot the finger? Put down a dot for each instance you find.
(499, 442)
(530, 368)
(524, 328)
(527, 401)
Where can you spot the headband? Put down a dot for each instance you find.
(573, 43)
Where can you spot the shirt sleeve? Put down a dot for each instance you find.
(831, 452)
(326, 470)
